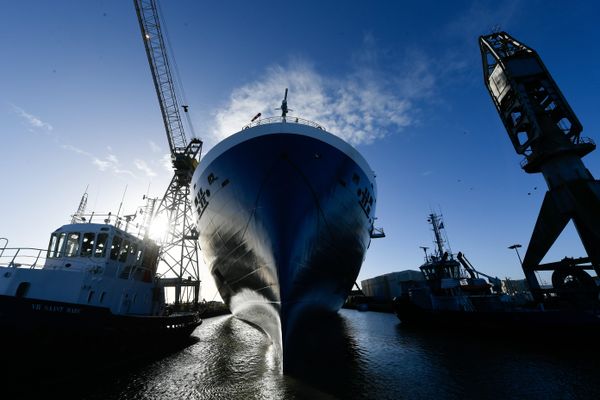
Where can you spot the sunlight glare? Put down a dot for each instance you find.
(159, 227)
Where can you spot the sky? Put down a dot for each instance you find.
(401, 81)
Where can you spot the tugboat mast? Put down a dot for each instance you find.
(437, 225)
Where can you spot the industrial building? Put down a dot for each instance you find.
(394, 284)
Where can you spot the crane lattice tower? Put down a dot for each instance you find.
(179, 248)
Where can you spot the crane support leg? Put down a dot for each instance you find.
(550, 223)
(587, 219)
(576, 200)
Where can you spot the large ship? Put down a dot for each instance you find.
(285, 212)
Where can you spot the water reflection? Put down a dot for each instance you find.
(234, 360)
(354, 355)
(324, 354)
(480, 365)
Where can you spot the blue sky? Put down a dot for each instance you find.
(402, 81)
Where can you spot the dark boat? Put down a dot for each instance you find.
(285, 215)
(457, 296)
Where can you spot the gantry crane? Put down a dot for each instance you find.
(179, 247)
(542, 127)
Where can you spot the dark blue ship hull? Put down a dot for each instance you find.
(285, 213)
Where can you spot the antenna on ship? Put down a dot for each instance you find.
(284, 108)
(437, 225)
(78, 216)
(121, 205)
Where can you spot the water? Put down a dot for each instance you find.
(355, 355)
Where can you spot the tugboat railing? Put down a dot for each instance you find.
(5, 244)
(122, 222)
(22, 257)
(34, 258)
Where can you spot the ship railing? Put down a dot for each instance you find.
(22, 257)
(287, 120)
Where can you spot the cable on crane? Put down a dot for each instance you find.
(177, 79)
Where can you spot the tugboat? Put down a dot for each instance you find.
(458, 296)
(95, 283)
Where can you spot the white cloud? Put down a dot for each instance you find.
(154, 147)
(142, 166)
(76, 150)
(362, 106)
(109, 163)
(32, 120)
(166, 162)
(112, 159)
(417, 77)
(101, 164)
(112, 163)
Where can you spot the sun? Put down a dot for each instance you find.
(159, 228)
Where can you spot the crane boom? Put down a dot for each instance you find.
(161, 74)
(179, 248)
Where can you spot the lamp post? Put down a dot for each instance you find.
(515, 247)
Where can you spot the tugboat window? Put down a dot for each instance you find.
(132, 251)
(101, 245)
(52, 246)
(60, 245)
(88, 244)
(72, 244)
(116, 246)
(124, 251)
